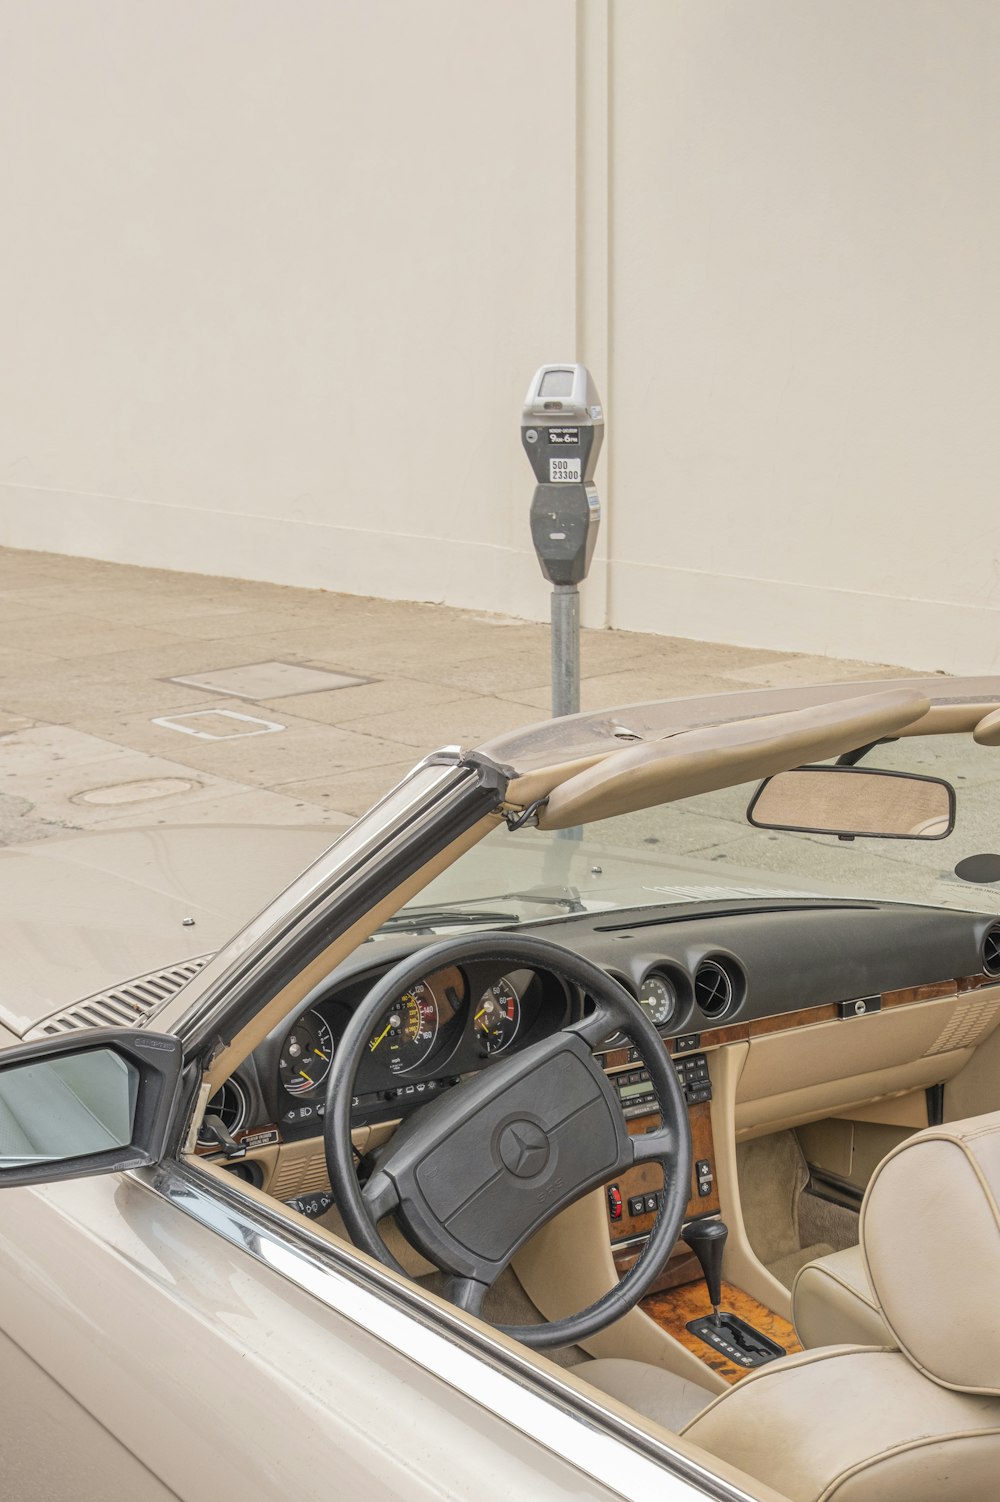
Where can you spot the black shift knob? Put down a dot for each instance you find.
(707, 1239)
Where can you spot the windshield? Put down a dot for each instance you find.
(703, 849)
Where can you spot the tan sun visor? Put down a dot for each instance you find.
(700, 761)
(987, 732)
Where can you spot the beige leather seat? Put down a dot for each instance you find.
(833, 1303)
(920, 1423)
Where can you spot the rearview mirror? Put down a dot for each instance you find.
(78, 1104)
(855, 802)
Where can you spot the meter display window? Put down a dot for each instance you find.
(556, 383)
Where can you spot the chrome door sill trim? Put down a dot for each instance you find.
(579, 1430)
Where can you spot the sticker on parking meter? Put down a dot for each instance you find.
(562, 471)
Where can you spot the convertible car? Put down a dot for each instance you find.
(612, 1112)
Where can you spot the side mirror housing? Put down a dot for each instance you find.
(855, 802)
(86, 1103)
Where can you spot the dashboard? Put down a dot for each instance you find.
(706, 974)
(450, 1024)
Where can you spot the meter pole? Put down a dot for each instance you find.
(565, 642)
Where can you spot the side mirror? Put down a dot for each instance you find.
(86, 1103)
(855, 801)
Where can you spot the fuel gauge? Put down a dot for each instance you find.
(306, 1054)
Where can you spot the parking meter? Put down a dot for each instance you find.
(562, 428)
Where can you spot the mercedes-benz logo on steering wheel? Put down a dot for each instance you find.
(523, 1149)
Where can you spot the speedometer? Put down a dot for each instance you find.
(407, 1032)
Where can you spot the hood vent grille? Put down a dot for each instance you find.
(125, 1005)
(991, 950)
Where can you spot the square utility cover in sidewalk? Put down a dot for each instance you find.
(269, 680)
(217, 724)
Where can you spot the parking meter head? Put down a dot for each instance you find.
(562, 428)
(562, 424)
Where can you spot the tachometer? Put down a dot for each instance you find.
(306, 1054)
(498, 1017)
(407, 1033)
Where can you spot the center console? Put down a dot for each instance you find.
(634, 1198)
(720, 1325)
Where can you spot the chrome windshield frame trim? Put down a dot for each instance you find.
(367, 847)
(624, 1457)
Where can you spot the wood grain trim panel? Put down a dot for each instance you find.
(681, 1266)
(616, 1058)
(739, 1032)
(647, 1178)
(934, 991)
(781, 1022)
(977, 982)
(674, 1308)
(786, 1021)
(702, 1146)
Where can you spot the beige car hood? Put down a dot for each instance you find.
(87, 912)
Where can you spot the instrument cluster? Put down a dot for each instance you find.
(448, 1024)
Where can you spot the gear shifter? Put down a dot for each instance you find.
(707, 1239)
(726, 1333)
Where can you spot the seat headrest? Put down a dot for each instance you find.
(930, 1234)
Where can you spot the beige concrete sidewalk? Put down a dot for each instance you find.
(97, 731)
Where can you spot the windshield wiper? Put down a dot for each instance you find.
(567, 898)
(423, 919)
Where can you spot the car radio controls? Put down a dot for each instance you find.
(635, 1092)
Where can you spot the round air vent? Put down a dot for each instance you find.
(991, 950)
(714, 989)
(230, 1105)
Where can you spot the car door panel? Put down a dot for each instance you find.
(218, 1373)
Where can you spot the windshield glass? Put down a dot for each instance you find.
(703, 849)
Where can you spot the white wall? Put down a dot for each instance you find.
(806, 315)
(273, 279)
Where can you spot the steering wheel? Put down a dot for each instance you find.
(476, 1172)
